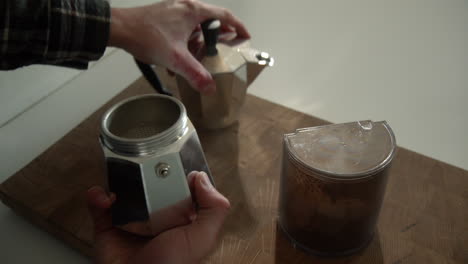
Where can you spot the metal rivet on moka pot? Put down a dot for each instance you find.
(333, 183)
(150, 146)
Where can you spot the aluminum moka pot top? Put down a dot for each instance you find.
(150, 146)
(343, 151)
(143, 124)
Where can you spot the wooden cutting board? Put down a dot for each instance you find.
(424, 218)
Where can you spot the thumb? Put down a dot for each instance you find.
(99, 204)
(196, 75)
(213, 209)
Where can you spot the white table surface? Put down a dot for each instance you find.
(404, 61)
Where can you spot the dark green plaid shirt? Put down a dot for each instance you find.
(60, 32)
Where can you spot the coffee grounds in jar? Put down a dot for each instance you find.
(328, 216)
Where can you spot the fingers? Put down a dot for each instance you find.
(195, 46)
(99, 204)
(179, 214)
(227, 28)
(208, 198)
(197, 33)
(196, 75)
(213, 209)
(208, 11)
(191, 180)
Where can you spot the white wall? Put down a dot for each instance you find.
(405, 61)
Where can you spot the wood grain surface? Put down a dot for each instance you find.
(424, 218)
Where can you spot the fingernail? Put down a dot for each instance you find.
(205, 182)
(103, 198)
(209, 89)
(112, 197)
(189, 177)
(96, 191)
(93, 189)
(193, 217)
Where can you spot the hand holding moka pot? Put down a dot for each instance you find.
(233, 64)
(150, 147)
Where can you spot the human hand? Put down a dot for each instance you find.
(184, 244)
(160, 33)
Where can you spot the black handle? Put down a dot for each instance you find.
(210, 30)
(152, 77)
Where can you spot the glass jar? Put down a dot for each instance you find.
(332, 185)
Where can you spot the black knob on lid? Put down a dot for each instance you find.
(210, 30)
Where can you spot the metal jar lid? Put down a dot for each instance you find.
(141, 125)
(342, 151)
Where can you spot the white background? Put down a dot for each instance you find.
(404, 61)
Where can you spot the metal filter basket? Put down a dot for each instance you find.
(150, 146)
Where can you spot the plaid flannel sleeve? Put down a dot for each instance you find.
(59, 32)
